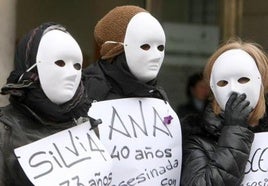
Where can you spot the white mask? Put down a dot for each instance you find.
(59, 62)
(144, 46)
(235, 71)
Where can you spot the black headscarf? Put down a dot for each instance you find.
(25, 89)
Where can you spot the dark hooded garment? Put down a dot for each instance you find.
(214, 154)
(31, 115)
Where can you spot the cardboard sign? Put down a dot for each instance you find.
(69, 158)
(256, 172)
(143, 136)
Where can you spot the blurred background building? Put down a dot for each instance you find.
(194, 29)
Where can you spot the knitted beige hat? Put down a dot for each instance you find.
(112, 27)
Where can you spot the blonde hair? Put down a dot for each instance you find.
(258, 54)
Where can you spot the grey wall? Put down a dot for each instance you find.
(7, 41)
(255, 21)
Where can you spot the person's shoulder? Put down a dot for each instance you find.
(95, 82)
(15, 115)
(200, 142)
(7, 118)
(91, 71)
(8, 111)
(195, 135)
(262, 126)
(192, 126)
(8, 114)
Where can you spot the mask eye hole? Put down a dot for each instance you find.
(60, 63)
(222, 83)
(161, 48)
(145, 47)
(77, 66)
(243, 80)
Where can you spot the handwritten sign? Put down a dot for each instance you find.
(143, 136)
(256, 172)
(71, 157)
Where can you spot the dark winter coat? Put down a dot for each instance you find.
(31, 115)
(214, 154)
(19, 126)
(105, 80)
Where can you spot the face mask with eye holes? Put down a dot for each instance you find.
(144, 46)
(235, 71)
(59, 63)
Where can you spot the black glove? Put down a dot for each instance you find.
(237, 110)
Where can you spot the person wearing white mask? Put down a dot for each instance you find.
(132, 48)
(218, 144)
(132, 44)
(46, 95)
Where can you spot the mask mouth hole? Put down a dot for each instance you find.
(243, 80)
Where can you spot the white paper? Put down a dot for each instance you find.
(256, 172)
(145, 151)
(69, 158)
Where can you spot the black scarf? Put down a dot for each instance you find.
(125, 83)
(37, 101)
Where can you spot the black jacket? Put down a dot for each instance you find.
(105, 80)
(19, 126)
(214, 154)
